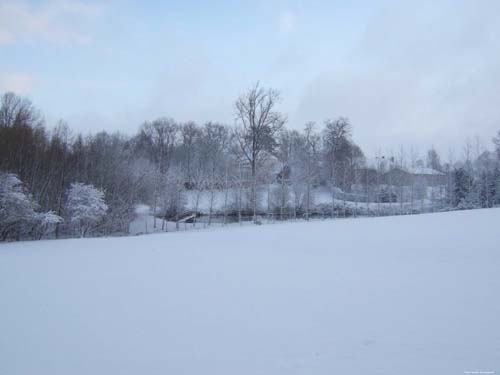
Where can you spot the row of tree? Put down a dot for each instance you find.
(73, 184)
(20, 215)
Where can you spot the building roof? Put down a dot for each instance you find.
(425, 171)
(387, 164)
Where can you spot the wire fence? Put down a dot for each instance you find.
(193, 221)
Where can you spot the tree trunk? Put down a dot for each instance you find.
(308, 196)
(211, 205)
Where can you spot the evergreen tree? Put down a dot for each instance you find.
(462, 188)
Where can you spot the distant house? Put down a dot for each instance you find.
(386, 171)
(429, 176)
(367, 176)
(398, 176)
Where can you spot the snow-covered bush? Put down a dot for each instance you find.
(47, 222)
(85, 206)
(18, 216)
(16, 207)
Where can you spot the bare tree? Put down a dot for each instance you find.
(258, 125)
(336, 133)
(433, 159)
(190, 134)
(215, 142)
(496, 142)
(17, 111)
(198, 184)
(284, 155)
(157, 140)
(311, 163)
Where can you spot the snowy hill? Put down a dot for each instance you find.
(394, 295)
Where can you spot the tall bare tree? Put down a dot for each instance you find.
(311, 144)
(189, 136)
(335, 135)
(258, 126)
(157, 140)
(215, 144)
(496, 142)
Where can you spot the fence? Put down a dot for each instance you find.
(191, 221)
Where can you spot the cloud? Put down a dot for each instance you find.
(419, 74)
(18, 83)
(5, 37)
(286, 22)
(57, 22)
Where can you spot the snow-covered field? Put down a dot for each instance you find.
(393, 295)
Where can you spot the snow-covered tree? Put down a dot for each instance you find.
(496, 142)
(85, 206)
(16, 207)
(18, 216)
(46, 223)
(433, 159)
(305, 166)
(171, 166)
(462, 190)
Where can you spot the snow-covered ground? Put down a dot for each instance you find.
(393, 295)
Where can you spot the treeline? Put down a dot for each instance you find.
(73, 184)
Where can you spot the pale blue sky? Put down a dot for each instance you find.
(405, 72)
